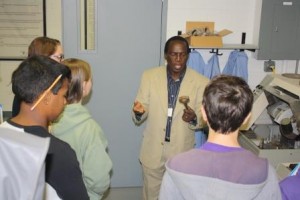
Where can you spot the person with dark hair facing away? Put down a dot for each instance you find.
(169, 129)
(43, 46)
(77, 127)
(42, 85)
(221, 168)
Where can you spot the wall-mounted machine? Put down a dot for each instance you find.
(279, 95)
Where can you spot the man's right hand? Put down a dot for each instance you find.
(138, 108)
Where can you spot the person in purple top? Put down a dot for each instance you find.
(290, 187)
(221, 168)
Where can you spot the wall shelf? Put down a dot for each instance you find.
(249, 47)
(240, 47)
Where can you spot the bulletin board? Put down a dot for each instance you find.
(20, 22)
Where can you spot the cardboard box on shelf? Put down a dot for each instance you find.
(205, 40)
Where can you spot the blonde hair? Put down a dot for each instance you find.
(81, 71)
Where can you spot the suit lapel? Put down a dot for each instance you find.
(162, 89)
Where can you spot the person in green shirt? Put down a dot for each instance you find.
(77, 127)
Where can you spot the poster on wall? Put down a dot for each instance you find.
(20, 22)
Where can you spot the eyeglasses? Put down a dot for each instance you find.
(44, 94)
(58, 57)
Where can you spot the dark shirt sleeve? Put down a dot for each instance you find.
(62, 168)
(63, 172)
(16, 106)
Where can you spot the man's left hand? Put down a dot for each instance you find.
(188, 115)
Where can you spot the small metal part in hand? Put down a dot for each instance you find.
(184, 100)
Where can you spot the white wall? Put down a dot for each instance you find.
(236, 15)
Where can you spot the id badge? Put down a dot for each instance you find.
(170, 112)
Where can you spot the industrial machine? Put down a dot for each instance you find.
(279, 95)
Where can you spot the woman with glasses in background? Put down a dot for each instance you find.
(41, 46)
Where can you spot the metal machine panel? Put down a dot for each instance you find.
(273, 91)
(274, 155)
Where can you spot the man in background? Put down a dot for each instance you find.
(168, 130)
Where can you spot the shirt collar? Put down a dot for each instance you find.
(180, 76)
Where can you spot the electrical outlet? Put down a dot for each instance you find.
(269, 66)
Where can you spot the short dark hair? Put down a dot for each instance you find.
(35, 74)
(176, 38)
(227, 101)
